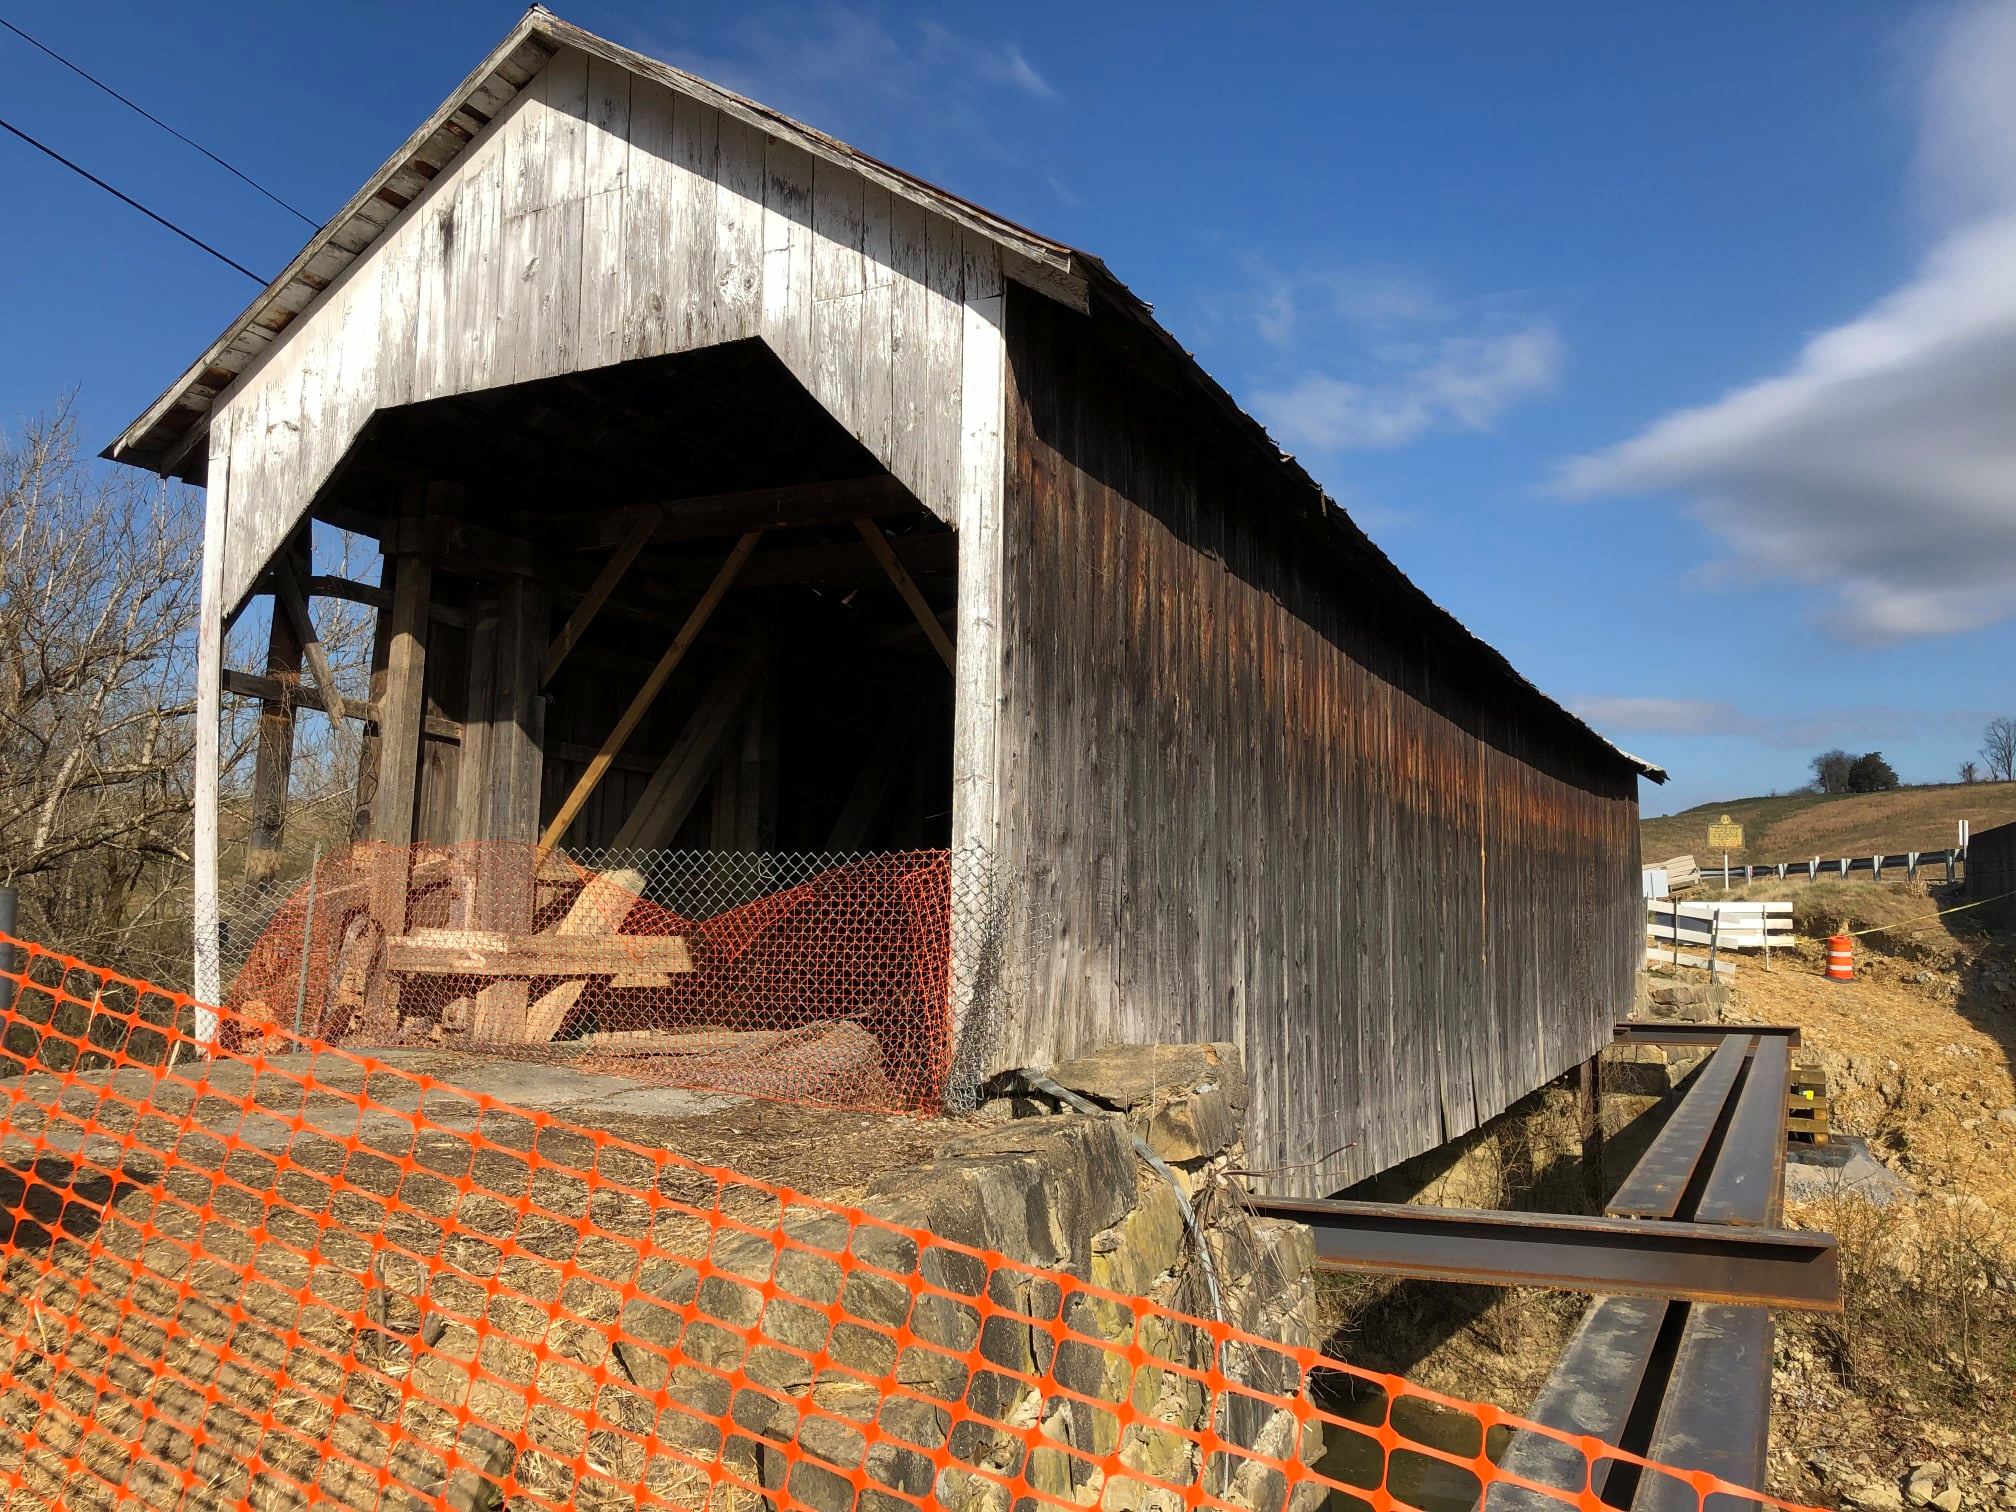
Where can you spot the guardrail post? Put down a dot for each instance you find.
(1949, 868)
(1876, 865)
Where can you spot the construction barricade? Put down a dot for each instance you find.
(274, 1272)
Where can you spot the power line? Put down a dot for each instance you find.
(142, 110)
(128, 199)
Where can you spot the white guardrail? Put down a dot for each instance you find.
(1714, 926)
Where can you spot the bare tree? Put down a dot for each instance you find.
(1998, 749)
(97, 604)
(1830, 771)
(1970, 772)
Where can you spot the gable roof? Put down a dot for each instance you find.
(166, 436)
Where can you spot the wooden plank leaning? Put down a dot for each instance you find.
(675, 653)
(879, 547)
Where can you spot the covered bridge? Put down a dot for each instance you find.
(956, 548)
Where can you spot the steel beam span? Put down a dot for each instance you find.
(1618, 1257)
(1708, 1036)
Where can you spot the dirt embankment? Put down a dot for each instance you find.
(1909, 1398)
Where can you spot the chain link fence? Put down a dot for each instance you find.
(835, 978)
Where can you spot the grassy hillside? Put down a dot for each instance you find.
(1843, 824)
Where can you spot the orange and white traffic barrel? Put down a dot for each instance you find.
(1840, 958)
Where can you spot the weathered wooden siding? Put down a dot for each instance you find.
(602, 217)
(1247, 796)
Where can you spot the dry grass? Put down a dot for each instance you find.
(1922, 1365)
(1793, 826)
(339, 1306)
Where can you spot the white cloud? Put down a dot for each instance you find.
(1857, 724)
(1452, 382)
(1664, 716)
(1881, 466)
(1365, 298)
(844, 70)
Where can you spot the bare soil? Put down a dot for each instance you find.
(1918, 1377)
(1916, 1384)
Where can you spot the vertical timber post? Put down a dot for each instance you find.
(1589, 1115)
(512, 753)
(400, 709)
(206, 975)
(977, 923)
(273, 765)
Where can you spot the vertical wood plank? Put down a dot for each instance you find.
(873, 376)
(909, 344)
(738, 231)
(606, 168)
(648, 294)
(400, 707)
(693, 215)
(787, 254)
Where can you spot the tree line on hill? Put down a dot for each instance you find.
(1839, 771)
(1998, 750)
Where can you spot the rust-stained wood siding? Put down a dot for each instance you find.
(1245, 793)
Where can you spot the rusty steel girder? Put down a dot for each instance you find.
(1619, 1257)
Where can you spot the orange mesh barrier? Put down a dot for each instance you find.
(821, 980)
(292, 1275)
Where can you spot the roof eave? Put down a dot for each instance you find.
(171, 449)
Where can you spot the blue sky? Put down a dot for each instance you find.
(1672, 347)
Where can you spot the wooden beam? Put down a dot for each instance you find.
(512, 756)
(681, 776)
(674, 788)
(573, 750)
(837, 562)
(934, 632)
(274, 690)
(401, 707)
(517, 711)
(273, 765)
(287, 589)
(322, 585)
(367, 748)
(625, 726)
(598, 594)
(448, 542)
(709, 515)
(484, 952)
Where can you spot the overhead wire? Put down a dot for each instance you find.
(162, 220)
(135, 106)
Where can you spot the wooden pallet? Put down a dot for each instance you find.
(1807, 1118)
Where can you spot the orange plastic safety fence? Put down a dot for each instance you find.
(815, 979)
(291, 1274)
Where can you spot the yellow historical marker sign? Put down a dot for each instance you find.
(1725, 836)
